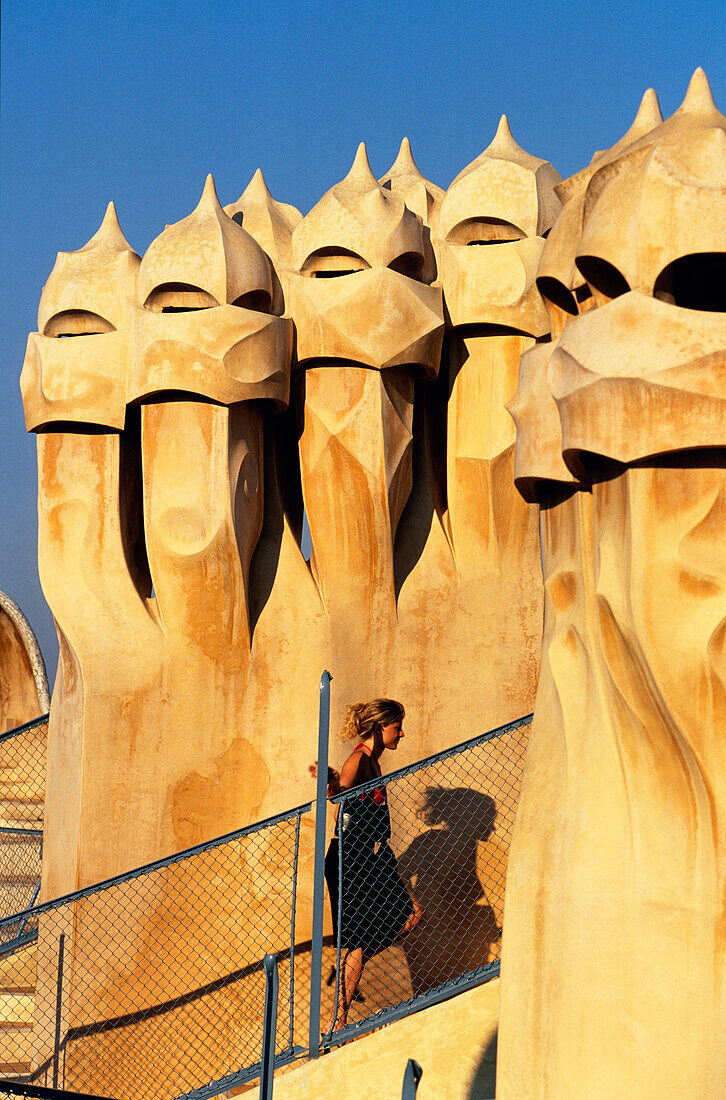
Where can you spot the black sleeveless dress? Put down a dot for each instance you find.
(374, 903)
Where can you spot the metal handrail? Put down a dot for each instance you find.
(165, 861)
(316, 953)
(245, 1070)
(435, 758)
(269, 1027)
(411, 1080)
(321, 797)
(40, 1092)
(424, 1000)
(24, 728)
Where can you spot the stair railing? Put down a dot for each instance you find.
(166, 958)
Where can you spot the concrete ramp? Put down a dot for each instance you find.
(454, 1042)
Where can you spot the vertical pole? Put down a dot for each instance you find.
(269, 1027)
(292, 931)
(321, 805)
(411, 1078)
(26, 915)
(58, 1008)
(339, 921)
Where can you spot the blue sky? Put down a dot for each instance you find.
(136, 102)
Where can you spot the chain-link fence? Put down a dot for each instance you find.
(39, 1092)
(416, 874)
(21, 853)
(22, 800)
(22, 775)
(151, 985)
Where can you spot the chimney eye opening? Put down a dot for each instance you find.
(408, 264)
(485, 231)
(259, 301)
(603, 278)
(332, 263)
(179, 298)
(696, 281)
(557, 294)
(77, 322)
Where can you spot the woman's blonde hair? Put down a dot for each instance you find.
(361, 719)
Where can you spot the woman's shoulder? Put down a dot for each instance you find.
(356, 769)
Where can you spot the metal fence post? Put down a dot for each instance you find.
(269, 1028)
(411, 1079)
(292, 929)
(339, 921)
(321, 805)
(58, 1008)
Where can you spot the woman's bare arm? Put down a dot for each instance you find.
(353, 771)
(333, 778)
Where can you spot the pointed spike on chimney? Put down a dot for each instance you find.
(503, 130)
(257, 189)
(649, 114)
(503, 142)
(360, 167)
(209, 199)
(109, 232)
(404, 161)
(698, 96)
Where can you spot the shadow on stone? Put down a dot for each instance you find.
(483, 1082)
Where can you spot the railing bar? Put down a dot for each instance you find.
(417, 765)
(341, 811)
(411, 1080)
(239, 1077)
(58, 1008)
(167, 861)
(18, 942)
(321, 804)
(19, 831)
(24, 728)
(16, 1088)
(424, 1000)
(292, 931)
(24, 921)
(269, 1028)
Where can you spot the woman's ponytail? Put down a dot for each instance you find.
(360, 719)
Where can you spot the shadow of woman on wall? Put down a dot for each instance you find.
(459, 926)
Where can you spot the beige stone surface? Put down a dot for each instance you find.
(612, 974)
(23, 682)
(370, 366)
(479, 565)
(254, 366)
(146, 541)
(455, 1044)
(88, 294)
(192, 629)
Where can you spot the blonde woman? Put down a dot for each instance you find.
(376, 908)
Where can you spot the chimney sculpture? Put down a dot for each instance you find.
(614, 925)
(150, 501)
(366, 326)
(174, 479)
(488, 236)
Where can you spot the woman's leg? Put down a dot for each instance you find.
(413, 919)
(350, 975)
